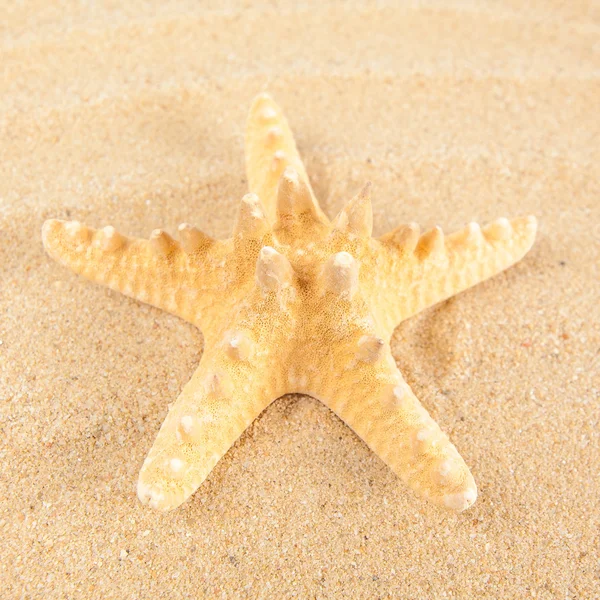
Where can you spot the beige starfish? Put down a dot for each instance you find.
(295, 303)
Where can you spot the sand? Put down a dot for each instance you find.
(132, 114)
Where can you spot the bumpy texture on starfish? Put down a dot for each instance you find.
(295, 303)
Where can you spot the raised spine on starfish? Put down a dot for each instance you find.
(356, 218)
(292, 302)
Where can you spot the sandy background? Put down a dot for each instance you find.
(132, 114)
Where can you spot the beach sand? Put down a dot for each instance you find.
(132, 114)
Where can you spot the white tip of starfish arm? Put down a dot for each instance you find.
(54, 229)
(155, 496)
(265, 107)
(167, 487)
(459, 501)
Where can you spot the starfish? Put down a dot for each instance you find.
(295, 303)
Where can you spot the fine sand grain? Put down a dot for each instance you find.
(132, 114)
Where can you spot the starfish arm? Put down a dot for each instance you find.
(371, 396)
(158, 271)
(221, 400)
(270, 149)
(237, 379)
(429, 269)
